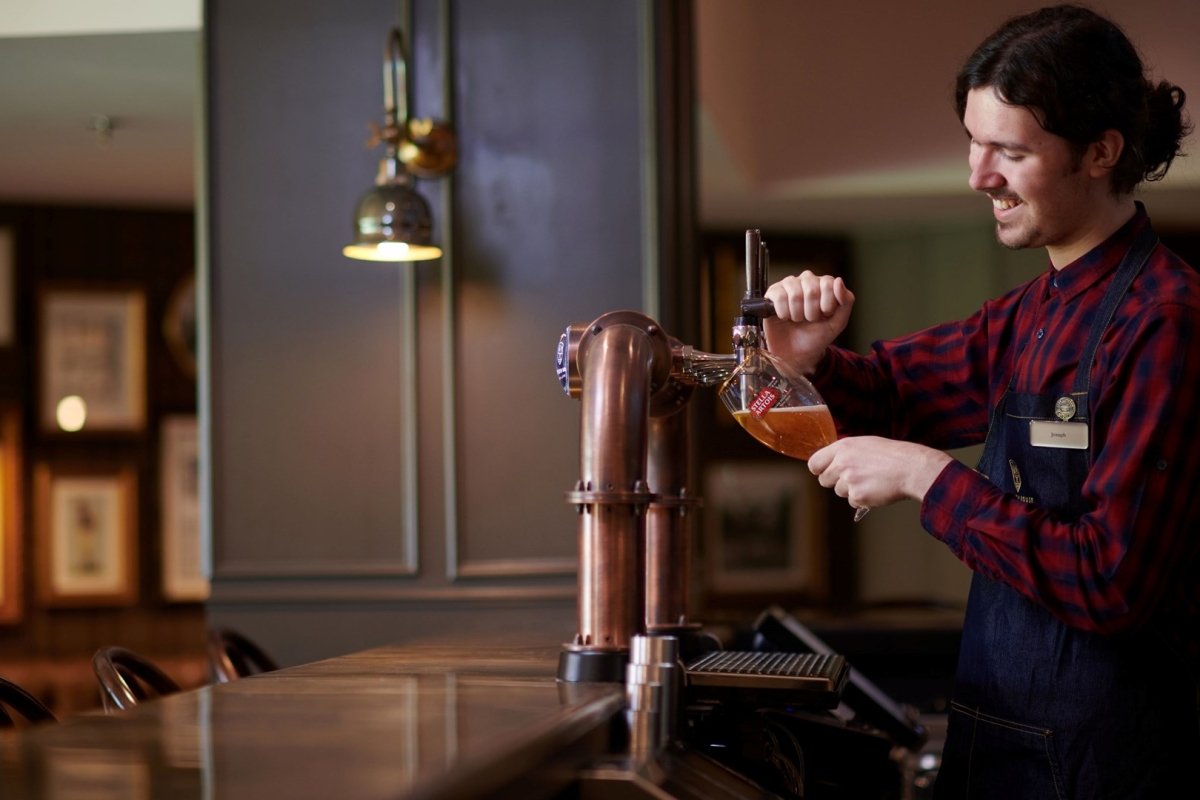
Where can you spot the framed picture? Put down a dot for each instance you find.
(183, 578)
(7, 276)
(179, 325)
(11, 519)
(93, 360)
(763, 529)
(86, 535)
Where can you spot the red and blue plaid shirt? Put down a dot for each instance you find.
(1131, 558)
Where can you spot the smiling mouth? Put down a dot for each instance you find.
(1005, 203)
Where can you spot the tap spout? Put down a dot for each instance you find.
(697, 368)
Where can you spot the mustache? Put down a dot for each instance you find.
(1003, 196)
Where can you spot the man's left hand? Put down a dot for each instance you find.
(871, 471)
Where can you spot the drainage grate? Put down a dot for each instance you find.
(821, 677)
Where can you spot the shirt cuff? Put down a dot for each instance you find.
(951, 502)
(826, 368)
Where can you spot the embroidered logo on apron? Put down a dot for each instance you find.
(1016, 473)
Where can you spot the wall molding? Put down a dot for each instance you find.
(651, 277)
(373, 568)
(482, 596)
(517, 567)
(204, 333)
(409, 380)
(449, 318)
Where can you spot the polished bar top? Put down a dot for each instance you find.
(416, 721)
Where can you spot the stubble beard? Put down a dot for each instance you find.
(1015, 237)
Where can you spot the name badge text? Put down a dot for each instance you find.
(1067, 435)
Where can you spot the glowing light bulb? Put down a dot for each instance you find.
(395, 250)
(71, 413)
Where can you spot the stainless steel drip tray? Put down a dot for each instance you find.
(810, 680)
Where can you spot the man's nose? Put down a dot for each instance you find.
(983, 175)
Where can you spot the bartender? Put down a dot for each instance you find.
(1081, 521)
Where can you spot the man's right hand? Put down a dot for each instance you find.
(810, 311)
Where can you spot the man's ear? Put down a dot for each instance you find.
(1104, 153)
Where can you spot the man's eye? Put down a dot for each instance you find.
(1012, 156)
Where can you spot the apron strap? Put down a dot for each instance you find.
(1129, 268)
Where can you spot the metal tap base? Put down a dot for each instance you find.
(592, 666)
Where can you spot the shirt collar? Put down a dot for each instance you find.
(1085, 271)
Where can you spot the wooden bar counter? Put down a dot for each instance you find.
(412, 721)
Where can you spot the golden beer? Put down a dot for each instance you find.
(798, 431)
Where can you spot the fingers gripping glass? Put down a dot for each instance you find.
(780, 408)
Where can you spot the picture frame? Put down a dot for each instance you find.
(183, 576)
(11, 517)
(86, 535)
(764, 529)
(179, 325)
(7, 287)
(92, 347)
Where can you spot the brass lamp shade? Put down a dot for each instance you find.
(392, 223)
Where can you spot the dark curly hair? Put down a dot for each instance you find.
(1079, 75)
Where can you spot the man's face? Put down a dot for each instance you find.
(1040, 196)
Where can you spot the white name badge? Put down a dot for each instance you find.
(1068, 435)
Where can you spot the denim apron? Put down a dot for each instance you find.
(1041, 709)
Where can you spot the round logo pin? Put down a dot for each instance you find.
(1064, 409)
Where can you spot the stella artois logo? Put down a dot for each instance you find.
(764, 401)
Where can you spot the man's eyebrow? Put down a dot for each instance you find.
(1014, 146)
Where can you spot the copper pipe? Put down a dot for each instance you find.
(619, 370)
(668, 538)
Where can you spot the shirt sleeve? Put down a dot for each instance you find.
(1112, 569)
(930, 387)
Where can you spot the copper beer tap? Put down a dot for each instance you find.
(633, 495)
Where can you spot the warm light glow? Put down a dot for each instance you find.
(71, 413)
(391, 251)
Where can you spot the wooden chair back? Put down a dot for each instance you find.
(14, 698)
(231, 656)
(127, 678)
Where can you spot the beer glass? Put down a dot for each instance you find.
(779, 407)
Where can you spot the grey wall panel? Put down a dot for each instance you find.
(307, 349)
(549, 232)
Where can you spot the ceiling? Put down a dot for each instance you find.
(811, 116)
(816, 115)
(53, 87)
(70, 66)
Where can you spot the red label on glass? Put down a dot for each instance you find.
(767, 397)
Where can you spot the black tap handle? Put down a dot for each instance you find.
(759, 307)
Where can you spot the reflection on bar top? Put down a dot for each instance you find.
(388, 722)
